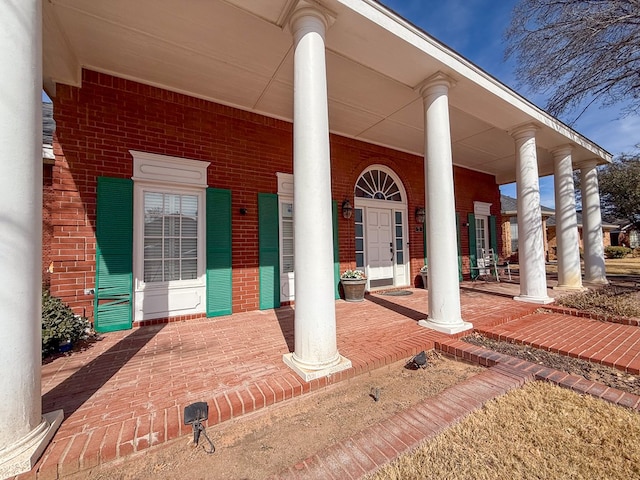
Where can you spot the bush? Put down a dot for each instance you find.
(60, 324)
(616, 252)
(636, 252)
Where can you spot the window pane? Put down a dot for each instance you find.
(399, 244)
(171, 204)
(153, 271)
(171, 248)
(359, 244)
(287, 264)
(360, 260)
(287, 229)
(189, 205)
(400, 258)
(359, 230)
(171, 270)
(189, 269)
(399, 231)
(172, 226)
(189, 248)
(287, 246)
(189, 227)
(152, 248)
(398, 218)
(359, 219)
(287, 210)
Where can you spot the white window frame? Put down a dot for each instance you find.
(482, 212)
(173, 175)
(285, 195)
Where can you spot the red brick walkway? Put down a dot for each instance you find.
(127, 391)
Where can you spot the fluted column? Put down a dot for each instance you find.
(533, 278)
(444, 288)
(316, 353)
(594, 267)
(568, 241)
(24, 431)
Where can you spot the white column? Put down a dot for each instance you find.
(594, 268)
(568, 241)
(533, 278)
(442, 250)
(316, 353)
(24, 432)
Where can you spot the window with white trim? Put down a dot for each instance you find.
(169, 235)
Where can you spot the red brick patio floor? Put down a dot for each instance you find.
(127, 392)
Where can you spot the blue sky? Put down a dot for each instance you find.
(475, 29)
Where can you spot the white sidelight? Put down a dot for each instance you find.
(594, 268)
(24, 431)
(568, 241)
(533, 277)
(444, 287)
(316, 353)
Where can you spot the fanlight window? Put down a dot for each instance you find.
(378, 185)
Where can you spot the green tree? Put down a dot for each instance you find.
(577, 52)
(619, 184)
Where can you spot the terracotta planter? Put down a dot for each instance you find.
(353, 289)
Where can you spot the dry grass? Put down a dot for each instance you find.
(608, 300)
(613, 266)
(539, 431)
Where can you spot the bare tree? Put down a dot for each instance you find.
(578, 52)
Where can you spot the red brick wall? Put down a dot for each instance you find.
(98, 124)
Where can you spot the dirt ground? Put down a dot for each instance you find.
(269, 441)
(591, 371)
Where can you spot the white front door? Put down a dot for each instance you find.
(379, 235)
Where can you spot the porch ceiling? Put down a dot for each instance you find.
(236, 52)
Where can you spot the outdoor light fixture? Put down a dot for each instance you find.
(243, 211)
(194, 415)
(420, 214)
(347, 209)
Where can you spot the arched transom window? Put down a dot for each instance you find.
(378, 184)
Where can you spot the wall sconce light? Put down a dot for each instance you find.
(243, 211)
(420, 214)
(347, 209)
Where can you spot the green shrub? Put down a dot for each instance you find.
(616, 252)
(60, 324)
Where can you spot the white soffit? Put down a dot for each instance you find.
(237, 53)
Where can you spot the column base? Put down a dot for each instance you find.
(23, 455)
(528, 299)
(447, 328)
(570, 288)
(308, 374)
(599, 282)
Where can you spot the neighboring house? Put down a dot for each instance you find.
(607, 228)
(625, 234)
(509, 228)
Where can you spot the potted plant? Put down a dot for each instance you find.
(424, 273)
(353, 284)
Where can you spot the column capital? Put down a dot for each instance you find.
(525, 131)
(561, 151)
(591, 163)
(309, 9)
(438, 79)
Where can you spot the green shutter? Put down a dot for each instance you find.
(493, 234)
(113, 306)
(268, 250)
(336, 251)
(471, 218)
(460, 278)
(219, 272)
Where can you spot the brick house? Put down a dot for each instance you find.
(232, 156)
